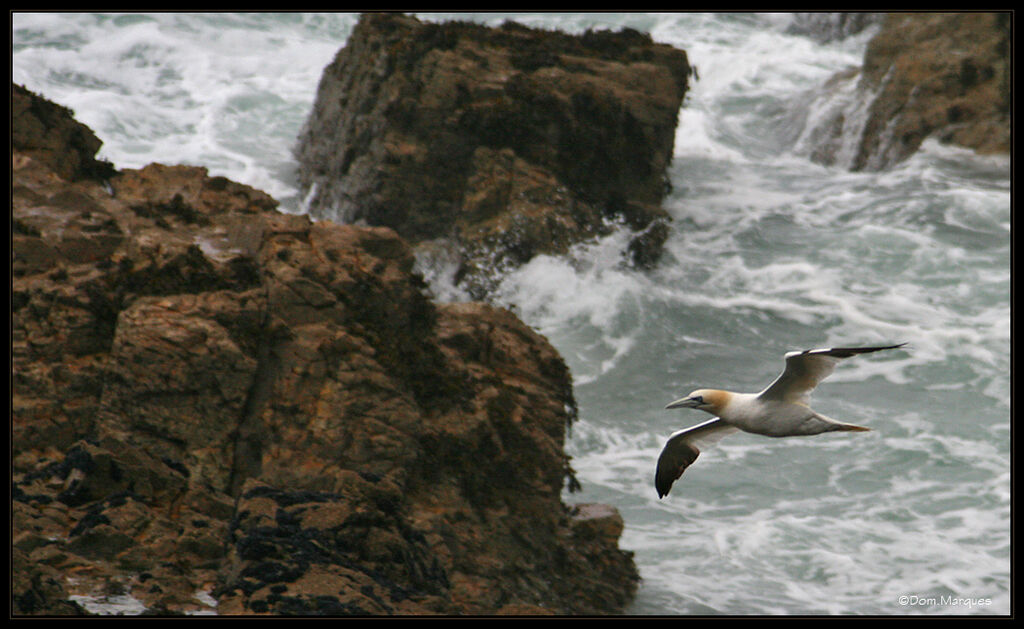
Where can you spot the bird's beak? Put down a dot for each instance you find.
(686, 402)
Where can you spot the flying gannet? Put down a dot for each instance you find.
(781, 410)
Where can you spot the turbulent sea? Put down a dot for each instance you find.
(770, 252)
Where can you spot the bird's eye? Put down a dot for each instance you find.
(699, 399)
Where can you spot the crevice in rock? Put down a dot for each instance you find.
(249, 436)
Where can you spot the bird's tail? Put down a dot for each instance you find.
(852, 428)
(835, 425)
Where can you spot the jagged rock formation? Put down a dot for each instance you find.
(502, 143)
(925, 75)
(48, 133)
(219, 406)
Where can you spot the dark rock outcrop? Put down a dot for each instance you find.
(505, 143)
(48, 133)
(217, 405)
(925, 75)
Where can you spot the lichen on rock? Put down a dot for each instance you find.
(502, 143)
(940, 76)
(219, 406)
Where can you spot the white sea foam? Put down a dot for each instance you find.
(225, 92)
(590, 286)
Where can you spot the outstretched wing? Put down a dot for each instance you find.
(804, 370)
(681, 450)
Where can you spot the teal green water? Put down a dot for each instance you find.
(769, 253)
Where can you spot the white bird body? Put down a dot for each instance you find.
(750, 412)
(781, 410)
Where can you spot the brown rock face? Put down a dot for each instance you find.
(215, 403)
(938, 75)
(48, 133)
(509, 142)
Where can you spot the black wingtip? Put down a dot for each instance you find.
(883, 347)
(846, 352)
(864, 350)
(671, 464)
(662, 484)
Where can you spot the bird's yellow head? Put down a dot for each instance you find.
(710, 400)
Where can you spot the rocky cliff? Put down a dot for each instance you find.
(220, 407)
(493, 145)
(925, 75)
